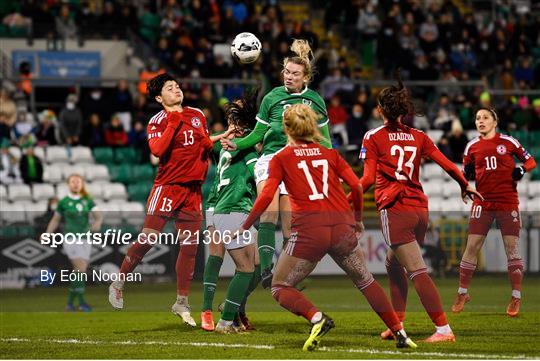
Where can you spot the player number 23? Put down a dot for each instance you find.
(400, 152)
(316, 163)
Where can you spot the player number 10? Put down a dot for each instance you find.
(491, 162)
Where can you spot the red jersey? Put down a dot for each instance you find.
(182, 145)
(397, 151)
(494, 163)
(311, 174)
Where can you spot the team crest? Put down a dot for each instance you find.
(306, 102)
(501, 149)
(196, 122)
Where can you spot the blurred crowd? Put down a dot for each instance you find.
(427, 40)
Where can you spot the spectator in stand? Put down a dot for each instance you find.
(115, 135)
(457, 141)
(367, 26)
(24, 126)
(93, 135)
(9, 166)
(8, 110)
(65, 24)
(524, 71)
(123, 104)
(137, 139)
(96, 102)
(357, 124)
(31, 167)
(70, 121)
(338, 116)
(25, 76)
(46, 129)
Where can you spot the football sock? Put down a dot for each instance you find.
(515, 273)
(210, 278)
(398, 283)
(134, 255)
(294, 301)
(429, 296)
(374, 294)
(255, 279)
(235, 294)
(266, 239)
(72, 292)
(81, 288)
(185, 265)
(445, 330)
(466, 271)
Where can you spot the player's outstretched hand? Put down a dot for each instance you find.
(470, 193)
(227, 144)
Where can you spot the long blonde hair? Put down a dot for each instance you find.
(303, 56)
(83, 192)
(300, 123)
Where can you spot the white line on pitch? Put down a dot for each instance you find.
(421, 353)
(163, 343)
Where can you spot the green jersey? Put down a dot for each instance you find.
(271, 112)
(211, 176)
(235, 181)
(75, 211)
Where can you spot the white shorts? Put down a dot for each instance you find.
(261, 171)
(209, 217)
(226, 224)
(74, 251)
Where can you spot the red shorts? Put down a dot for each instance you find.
(181, 203)
(483, 213)
(404, 224)
(313, 243)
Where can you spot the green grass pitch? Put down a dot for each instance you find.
(34, 326)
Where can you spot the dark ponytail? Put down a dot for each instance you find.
(395, 101)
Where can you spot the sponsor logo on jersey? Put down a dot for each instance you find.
(153, 127)
(307, 102)
(501, 149)
(514, 213)
(196, 122)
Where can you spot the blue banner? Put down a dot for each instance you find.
(69, 64)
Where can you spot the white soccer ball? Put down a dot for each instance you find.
(246, 48)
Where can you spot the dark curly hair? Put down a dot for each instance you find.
(395, 101)
(241, 112)
(156, 84)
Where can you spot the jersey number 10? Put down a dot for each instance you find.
(315, 195)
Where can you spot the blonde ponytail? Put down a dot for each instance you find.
(303, 57)
(300, 123)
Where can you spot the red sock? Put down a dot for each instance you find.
(466, 271)
(399, 286)
(380, 303)
(515, 273)
(294, 301)
(429, 296)
(134, 255)
(185, 265)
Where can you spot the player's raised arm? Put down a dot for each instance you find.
(159, 136)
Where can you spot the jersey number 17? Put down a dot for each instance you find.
(315, 194)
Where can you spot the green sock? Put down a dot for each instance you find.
(211, 274)
(72, 292)
(81, 287)
(266, 239)
(235, 294)
(255, 279)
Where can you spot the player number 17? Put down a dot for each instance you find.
(316, 163)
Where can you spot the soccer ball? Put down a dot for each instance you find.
(246, 48)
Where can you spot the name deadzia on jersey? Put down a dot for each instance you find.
(400, 136)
